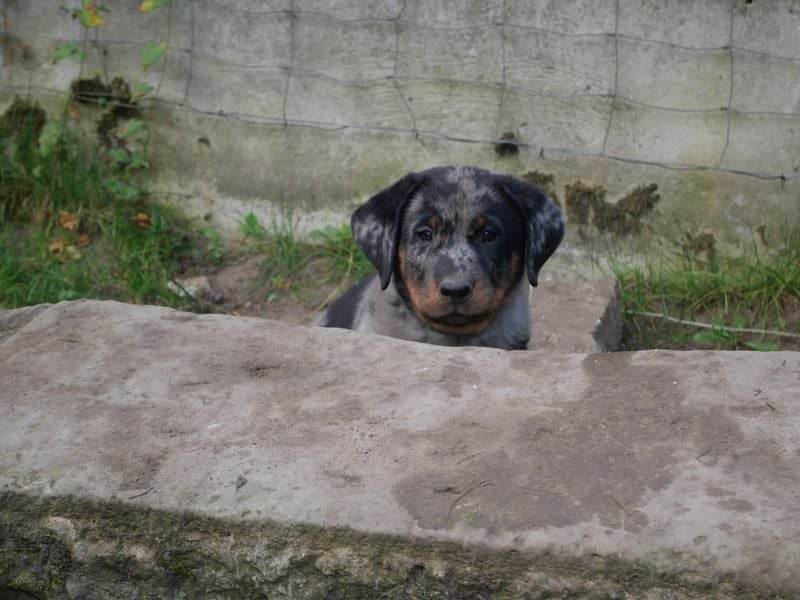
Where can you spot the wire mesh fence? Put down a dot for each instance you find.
(683, 86)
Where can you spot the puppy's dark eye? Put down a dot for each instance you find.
(488, 235)
(426, 235)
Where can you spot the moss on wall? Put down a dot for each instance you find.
(70, 548)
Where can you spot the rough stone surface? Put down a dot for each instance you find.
(576, 316)
(176, 455)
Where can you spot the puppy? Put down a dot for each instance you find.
(455, 244)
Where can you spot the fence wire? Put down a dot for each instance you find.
(375, 78)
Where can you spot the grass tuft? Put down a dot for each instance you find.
(293, 266)
(344, 260)
(748, 291)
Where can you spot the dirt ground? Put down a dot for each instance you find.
(236, 289)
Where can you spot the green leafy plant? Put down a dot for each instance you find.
(215, 247)
(151, 5)
(252, 228)
(89, 16)
(125, 142)
(151, 53)
(68, 50)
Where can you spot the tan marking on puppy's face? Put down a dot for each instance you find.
(418, 294)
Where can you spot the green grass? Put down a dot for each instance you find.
(344, 261)
(74, 226)
(286, 256)
(293, 266)
(748, 290)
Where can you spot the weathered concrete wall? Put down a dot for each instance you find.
(150, 453)
(318, 104)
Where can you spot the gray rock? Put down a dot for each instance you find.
(377, 467)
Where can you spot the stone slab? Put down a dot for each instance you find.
(576, 316)
(162, 450)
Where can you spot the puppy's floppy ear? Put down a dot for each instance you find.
(376, 225)
(545, 225)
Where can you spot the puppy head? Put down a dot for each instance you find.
(457, 240)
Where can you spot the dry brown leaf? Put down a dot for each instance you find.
(57, 247)
(141, 220)
(83, 241)
(62, 251)
(74, 112)
(68, 221)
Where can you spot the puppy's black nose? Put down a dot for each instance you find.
(455, 289)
